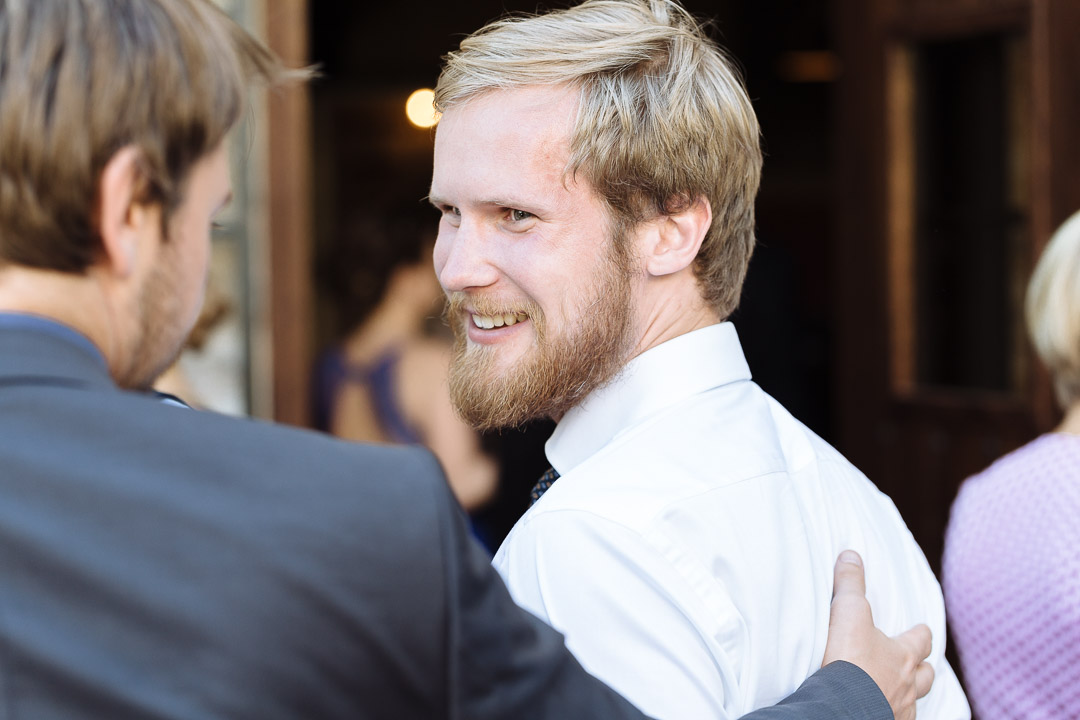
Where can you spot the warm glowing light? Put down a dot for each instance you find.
(420, 109)
(809, 66)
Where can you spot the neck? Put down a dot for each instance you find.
(1071, 423)
(671, 306)
(68, 298)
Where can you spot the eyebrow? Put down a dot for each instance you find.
(503, 202)
(512, 203)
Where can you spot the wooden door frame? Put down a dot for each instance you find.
(289, 212)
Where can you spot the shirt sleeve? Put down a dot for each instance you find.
(629, 616)
(502, 661)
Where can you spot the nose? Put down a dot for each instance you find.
(462, 258)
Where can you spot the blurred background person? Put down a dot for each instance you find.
(385, 380)
(1012, 549)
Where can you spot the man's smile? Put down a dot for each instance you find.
(487, 322)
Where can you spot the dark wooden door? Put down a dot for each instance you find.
(958, 154)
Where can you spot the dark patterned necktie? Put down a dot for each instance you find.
(546, 480)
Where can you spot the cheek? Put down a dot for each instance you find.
(203, 255)
(441, 251)
(196, 257)
(546, 275)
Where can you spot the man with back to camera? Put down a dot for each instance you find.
(595, 169)
(159, 562)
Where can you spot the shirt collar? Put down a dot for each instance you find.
(657, 379)
(39, 323)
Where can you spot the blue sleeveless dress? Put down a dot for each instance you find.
(333, 372)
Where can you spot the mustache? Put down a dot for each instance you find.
(458, 303)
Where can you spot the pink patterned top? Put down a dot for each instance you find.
(1012, 582)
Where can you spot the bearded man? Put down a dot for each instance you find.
(595, 169)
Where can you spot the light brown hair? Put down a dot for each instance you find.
(663, 118)
(81, 79)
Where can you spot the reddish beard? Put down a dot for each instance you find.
(559, 371)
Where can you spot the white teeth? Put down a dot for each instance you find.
(487, 322)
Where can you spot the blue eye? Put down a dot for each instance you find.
(519, 215)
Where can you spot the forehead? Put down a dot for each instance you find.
(505, 142)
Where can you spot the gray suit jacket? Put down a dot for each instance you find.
(158, 562)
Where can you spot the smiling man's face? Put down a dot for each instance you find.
(540, 294)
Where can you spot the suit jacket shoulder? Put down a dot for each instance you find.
(159, 562)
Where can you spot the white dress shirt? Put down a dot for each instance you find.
(687, 551)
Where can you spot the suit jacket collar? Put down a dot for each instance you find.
(38, 351)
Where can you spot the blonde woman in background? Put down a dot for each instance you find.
(1012, 549)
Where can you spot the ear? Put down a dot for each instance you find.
(673, 241)
(123, 217)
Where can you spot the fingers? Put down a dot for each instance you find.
(924, 678)
(848, 577)
(896, 664)
(917, 640)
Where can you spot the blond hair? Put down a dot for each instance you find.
(1053, 310)
(663, 118)
(81, 79)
